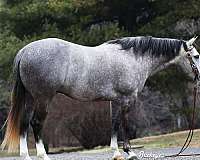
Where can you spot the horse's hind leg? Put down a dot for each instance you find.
(37, 125)
(24, 126)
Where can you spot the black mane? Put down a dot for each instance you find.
(155, 46)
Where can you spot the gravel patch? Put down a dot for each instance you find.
(143, 154)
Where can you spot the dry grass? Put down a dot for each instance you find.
(176, 139)
(168, 140)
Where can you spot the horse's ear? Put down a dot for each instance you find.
(191, 41)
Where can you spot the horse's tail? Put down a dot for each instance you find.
(12, 135)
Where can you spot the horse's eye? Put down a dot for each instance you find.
(188, 55)
(196, 56)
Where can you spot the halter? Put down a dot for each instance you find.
(196, 86)
(193, 65)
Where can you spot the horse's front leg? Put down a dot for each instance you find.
(115, 110)
(126, 132)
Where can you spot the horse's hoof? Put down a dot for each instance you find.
(40, 158)
(44, 157)
(27, 158)
(132, 157)
(119, 158)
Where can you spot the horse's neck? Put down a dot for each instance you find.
(160, 64)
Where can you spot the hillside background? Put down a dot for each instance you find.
(165, 103)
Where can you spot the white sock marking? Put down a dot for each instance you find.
(41, 153)
(24, 147)
(113, 143)
(114, 146)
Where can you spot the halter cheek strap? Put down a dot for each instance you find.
(193, 65)
(185, 46)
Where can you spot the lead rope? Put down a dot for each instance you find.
(191, 126)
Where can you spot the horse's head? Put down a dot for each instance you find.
(190, 49)
(191, 57)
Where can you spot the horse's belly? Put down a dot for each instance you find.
(85, 93)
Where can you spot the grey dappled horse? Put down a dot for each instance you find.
(114, 71)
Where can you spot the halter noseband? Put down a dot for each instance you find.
(192, 63)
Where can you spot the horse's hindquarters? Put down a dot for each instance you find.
(43, 73)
